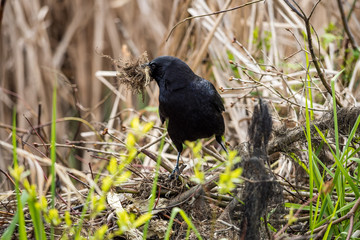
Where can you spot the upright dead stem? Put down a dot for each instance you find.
(308, 27)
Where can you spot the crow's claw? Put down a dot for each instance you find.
(175, 173)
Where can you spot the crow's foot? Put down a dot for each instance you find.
(175, 173)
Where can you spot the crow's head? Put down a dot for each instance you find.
(170, 72)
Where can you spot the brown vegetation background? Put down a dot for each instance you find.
(63, 41)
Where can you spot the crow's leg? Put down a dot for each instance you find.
(219, 140)
(179, 147)
(176, 172)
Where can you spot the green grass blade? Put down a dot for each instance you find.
(326, 200)
(174, 212)
(350, 138)
(53, 155)
(36, 218)
(348, 178)
(333, 80)
(328, 171)
(309, 115)
(310, 154)
(332, 216)
(8, 234)
(298, 161)
(22, 230)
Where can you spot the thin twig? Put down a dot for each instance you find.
(346, 26)
(276, 92)
(152, 143)
(210, 14)
(86, 149)
(311, 48)
(313, 9)
(301, 15)
(37, 134)
(351, 213)
(229, 225)
(9, 177)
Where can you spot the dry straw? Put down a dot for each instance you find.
(132, 72)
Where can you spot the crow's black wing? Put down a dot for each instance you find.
(162, 114)
(218, 101)
(212, 95)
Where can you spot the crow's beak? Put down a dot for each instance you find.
(144, 65)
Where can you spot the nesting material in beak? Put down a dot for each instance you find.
(147, 75)
(132, 74)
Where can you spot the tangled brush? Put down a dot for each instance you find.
(132, 73)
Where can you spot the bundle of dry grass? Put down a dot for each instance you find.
(132, 73)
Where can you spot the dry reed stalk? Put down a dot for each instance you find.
(49, 41)
(41, 43)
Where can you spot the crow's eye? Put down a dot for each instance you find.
(152, 65)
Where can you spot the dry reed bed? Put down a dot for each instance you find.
(43, 41)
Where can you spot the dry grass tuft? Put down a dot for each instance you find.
(132, 73)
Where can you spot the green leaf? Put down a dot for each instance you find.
(11, 228)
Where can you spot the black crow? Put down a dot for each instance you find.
(190, 103)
